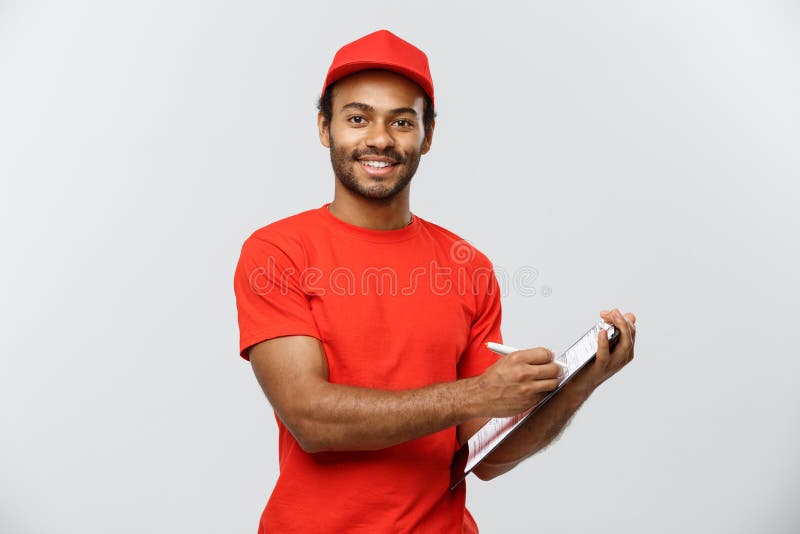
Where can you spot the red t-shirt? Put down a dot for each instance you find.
(394, 309)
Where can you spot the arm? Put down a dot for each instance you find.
(546, 424)
(293, 373)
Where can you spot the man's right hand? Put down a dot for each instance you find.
(518, 381)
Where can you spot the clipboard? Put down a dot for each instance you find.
(492, 434)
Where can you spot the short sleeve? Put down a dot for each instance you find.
(485, 326)
(269, 298)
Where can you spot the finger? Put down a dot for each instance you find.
(537, 356)
(616, 318)
(626, 340)
(545, 371)
(631, 318)
(542, 386)
(609, 317)
(624, 349)
(602, 348)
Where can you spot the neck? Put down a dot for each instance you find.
(372, 214)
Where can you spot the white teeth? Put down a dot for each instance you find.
(376, 164)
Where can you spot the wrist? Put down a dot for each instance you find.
(581, 386)
(473, 402)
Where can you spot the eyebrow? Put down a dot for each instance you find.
(366, 107)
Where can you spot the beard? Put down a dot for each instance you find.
(373, 188)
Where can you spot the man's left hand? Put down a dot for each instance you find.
(607, 363)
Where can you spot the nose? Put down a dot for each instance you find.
(379, 136)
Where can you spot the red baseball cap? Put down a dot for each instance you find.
(381, 50)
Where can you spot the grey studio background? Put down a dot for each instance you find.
(633, 154)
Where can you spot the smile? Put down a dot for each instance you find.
(375, 164)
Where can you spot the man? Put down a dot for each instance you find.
(366, 326)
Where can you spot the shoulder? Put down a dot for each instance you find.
(286, 228)
(459, 249)
(287, 235)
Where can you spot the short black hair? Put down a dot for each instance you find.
(325, 106)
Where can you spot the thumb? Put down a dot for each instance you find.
(602, 347)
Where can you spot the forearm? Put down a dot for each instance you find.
(341, 417)
(538, 431)
(325, 416)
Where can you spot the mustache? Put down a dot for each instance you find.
(388, 153)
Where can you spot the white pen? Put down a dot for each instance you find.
(505, 350)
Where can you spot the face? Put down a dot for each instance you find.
(376, 134)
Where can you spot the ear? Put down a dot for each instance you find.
(324, 131)
(426, 143)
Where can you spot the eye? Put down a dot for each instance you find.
(404, 123)
(357, 119)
